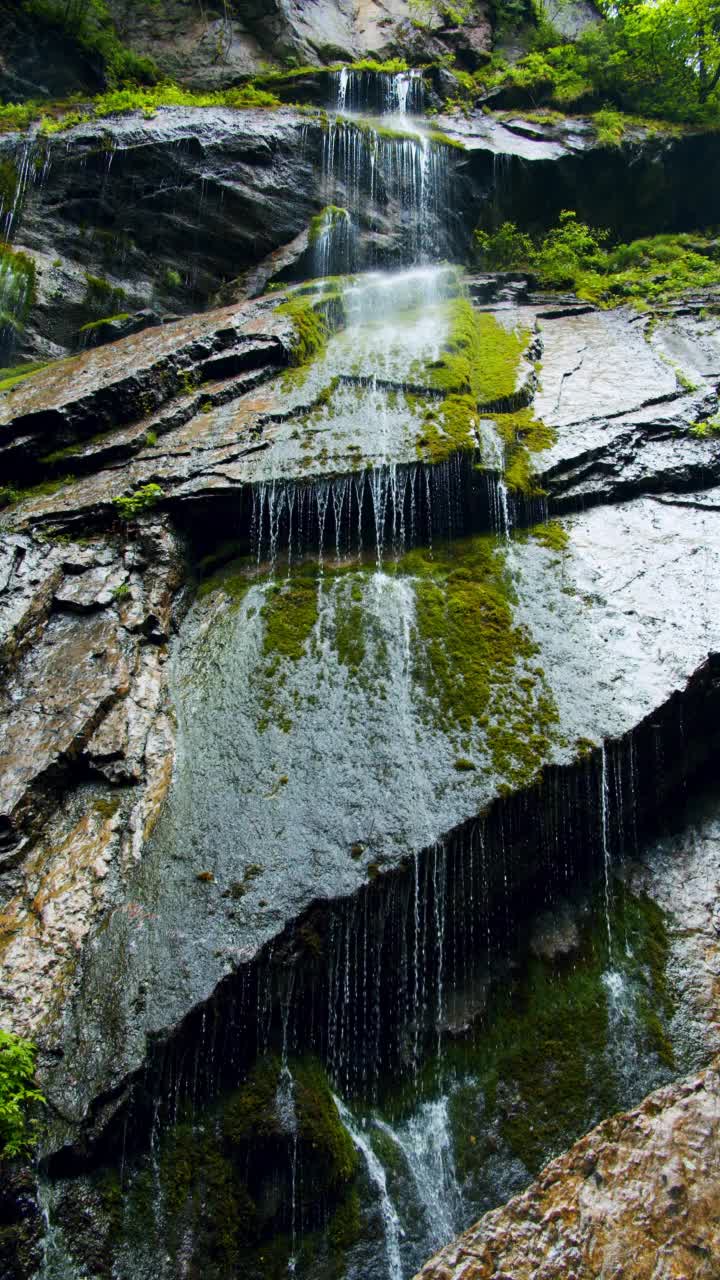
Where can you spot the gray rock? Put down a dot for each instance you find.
(94, 589)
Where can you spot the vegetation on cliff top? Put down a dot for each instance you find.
(657, 58)
(89, 23)
(575, 256)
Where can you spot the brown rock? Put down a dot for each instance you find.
(650, 1212)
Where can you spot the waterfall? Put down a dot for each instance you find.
(391, 1223)
(387, 170)
(425, 1142)
(605, 833)
(334, 243)
(376, 92)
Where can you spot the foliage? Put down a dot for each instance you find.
(505, 248)
(18, 1094)
(129, 505)
(659, 58)
(126, 99)
(664, 55)
(90, 24)
(575, 256)
(453, 13)
(704, 430)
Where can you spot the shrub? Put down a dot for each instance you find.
(574, 255)
(129, 505)
(18, 1094)
(505, 248)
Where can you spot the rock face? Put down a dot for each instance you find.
(212, 46)
(351, 635)
(642, 1186)
(251, 736)
(139, 218)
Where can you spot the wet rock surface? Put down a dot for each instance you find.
(165, 211)
(303, 686)
(87, 628)
(642, 1185)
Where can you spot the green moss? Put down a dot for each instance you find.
(444, 140)
(251, 1115)
(550, 1041)
(8, 184)
(94, 325)
(202, 1190)
(12, 377)
(480, 358)
(226, 573)
(345, 1227)
(477, 375)
(475, 665)
(128, 99)
(332, 215)
(311, 328)
(648, 941)
(10, 495)
(392, 67)
(523, 434)
(290, 615)
(552, 535)
(322, 1133)
(350, 638)
(611, 127)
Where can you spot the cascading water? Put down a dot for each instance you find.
(391, 1223)
(387, 170)
(426, 1145)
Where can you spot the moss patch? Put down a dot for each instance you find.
(477, 376)
(552, 535)
(289, 615)
(477, 667)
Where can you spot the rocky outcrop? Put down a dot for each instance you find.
(641, 1192)
(137, 218)
(213, 45)
(203, 410)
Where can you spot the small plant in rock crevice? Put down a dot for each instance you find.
(130, 505)
(18, 1094)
